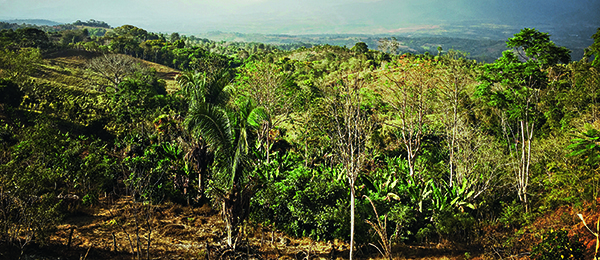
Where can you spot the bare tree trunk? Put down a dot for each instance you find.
(412, 99)
(228, 224)
(351, 129)
(525, 162)
(411, 166)
(521, 175)
(351, 219)
(268, 147)
(530, 138)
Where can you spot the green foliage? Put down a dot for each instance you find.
(19, 64)
(7, 139)
(92, 23)
(405, 218)
(46, 159)
(40, 166)
(25, 218)
(50, 147)
(587, 146)
(306, 202)
(10, 94)
(137, 99)
(569, 185)
(403, 198)
(156, 171)
(558, 245)
(519, 76)
(415, 210)
(202, 87)
(70, 104)
(518, 79)
(24, 38)
(360, 47)
(450, 211)
(594, 49)
(422, 209)
(572, 93)
(513, 215)
(71, 37)
(227, 131)
(537, 46)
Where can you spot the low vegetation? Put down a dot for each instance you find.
(135, 145)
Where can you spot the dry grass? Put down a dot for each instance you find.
(67, 67)
(180, 232)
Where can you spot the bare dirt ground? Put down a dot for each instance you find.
(112, 229)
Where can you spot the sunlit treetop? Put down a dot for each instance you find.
(534, 45)
(594, 49)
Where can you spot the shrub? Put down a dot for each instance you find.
(307, 202)
(558, 245)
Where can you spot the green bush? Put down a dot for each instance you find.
(405, 217)
(155, 171)
(47, 160)
(307, 202)
(10, 94)
(558, 245)
(25, 218)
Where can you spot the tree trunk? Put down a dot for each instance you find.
(523, 176)
(351, 219)
(453, 139)
(530, 138)
(228, 225)
(268, 147)
(411, 166)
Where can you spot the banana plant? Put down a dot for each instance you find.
(587, 146)
(445, 197)
(462, 194)
(396, 180)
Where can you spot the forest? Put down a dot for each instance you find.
(119, 143)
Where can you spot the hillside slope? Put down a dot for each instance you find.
(68, 68)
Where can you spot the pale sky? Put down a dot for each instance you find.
(308, 16)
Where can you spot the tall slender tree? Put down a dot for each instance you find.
(266, 84)
(411, 96)
(352, 129)
(511, 87)
(454, 74)
(201, 88)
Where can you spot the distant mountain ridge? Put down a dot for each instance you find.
(32, 21)
(482, 41)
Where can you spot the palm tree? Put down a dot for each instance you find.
(226, 131)
(202, 89)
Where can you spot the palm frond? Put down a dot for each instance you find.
(258, 116)
(213, 125)
(214, 92)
